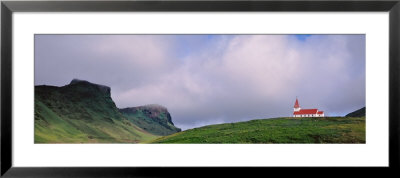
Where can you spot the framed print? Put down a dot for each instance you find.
(152, 88)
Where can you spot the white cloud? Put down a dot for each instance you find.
(228, 78)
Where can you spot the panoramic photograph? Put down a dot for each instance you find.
(200, 89)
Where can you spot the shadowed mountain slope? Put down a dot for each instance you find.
(153, 118)
(84, 112)
(357, 113)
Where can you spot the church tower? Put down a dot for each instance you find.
(296, 106)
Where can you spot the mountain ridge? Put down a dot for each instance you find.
(84, 112)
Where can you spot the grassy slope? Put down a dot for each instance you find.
(81, 114)
(278, 130)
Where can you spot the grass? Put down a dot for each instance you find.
(276, 130)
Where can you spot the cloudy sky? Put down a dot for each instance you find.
(209, 79)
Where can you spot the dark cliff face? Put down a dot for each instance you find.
(153, 118)
(155, 112)
(83, 83)
(78, 99)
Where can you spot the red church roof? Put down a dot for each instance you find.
(296, 104)
(306, 111)
(320, 112)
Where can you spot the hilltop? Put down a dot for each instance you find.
(84, 112)
(349, 129)
(276, 130)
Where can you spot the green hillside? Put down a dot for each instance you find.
(277, 130)
(152, 118)
(82, 112)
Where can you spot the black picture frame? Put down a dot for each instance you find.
(8, 7)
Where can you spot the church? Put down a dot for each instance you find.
(298, 112)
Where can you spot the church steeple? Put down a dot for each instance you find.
(296, 105)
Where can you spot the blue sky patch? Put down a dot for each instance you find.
(302, 37)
